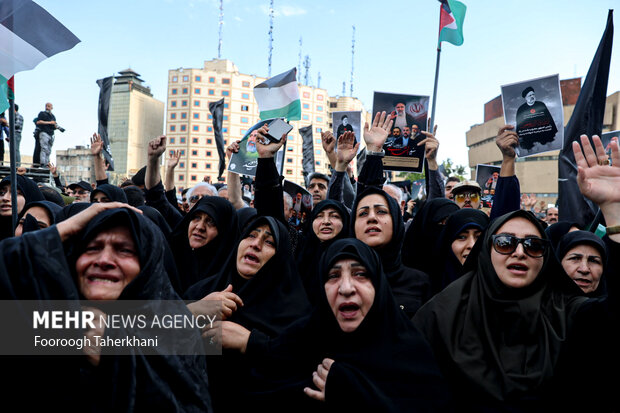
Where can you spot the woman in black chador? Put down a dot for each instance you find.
(534, 122)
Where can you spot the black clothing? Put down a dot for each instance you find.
(46, 116)
(556, 231)
(113, 192)
(194, 265)
(156, 198)
(51, 208)
(31, 193)
(535, 124)
(342, 129)
(411, 287)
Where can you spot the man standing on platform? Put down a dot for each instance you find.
(46, 123)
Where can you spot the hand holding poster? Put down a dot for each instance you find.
(245, 161)
(535, 108)
(409, 114)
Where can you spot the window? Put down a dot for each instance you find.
(195, 128)
(197, 90)
(173, 103)
(196, 116)
(333, 104)
(211, 80)
(185, 78)
(242, 132)
(211, 92)
(245, 84)
(225, 105)
(318, 163)
(305, 117)
(245, 108)
(171, 140)
(209, 116)
(194, 140)
(306, 106)
(174, 91)
(290, 149)
(318, 141)
(319, 119)
(209, 129)
(182, 164)
(173, 128)
(319, 97)
(289, 172)
(182, 152)
(306, 95)
(173, 116)
(171, 152)
(194, 177)
(289, 160)
(182, 140)
(244, 120)
(185, 91)
(225, 130)
(225, 117)
(184, 103)
(194, 165)
(198, 78)
(245, 95)
(184, 115)
(319, 108)
(175, 79)
(209, 141)
(318, 151)
(183, 127)
(319, 130)
(208, 153)
(225, 93)
(181, 177)
(196, 103)
(226, 81)
(194, 153)
(208, 166)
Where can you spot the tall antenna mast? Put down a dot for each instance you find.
(299, 63)
(219, 45)
(319, 81)
(344, 88)
(270, 37)
(352, 58)
(307, 66)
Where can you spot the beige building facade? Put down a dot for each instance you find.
(135, 117)
(75, 164)
(538, 174)
(189, 125)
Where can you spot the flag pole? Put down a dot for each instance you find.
(435, 90)
(12, 160)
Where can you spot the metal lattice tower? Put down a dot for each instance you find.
(221, 23)
(307, 67)
(318, 82)
(299, 63)
(344, 88)
(352, 58)
(270, 37)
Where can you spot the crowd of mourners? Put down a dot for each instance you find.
(375, 304)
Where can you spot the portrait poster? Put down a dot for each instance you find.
(535, 109)
(418, 189)
(302, 203)
(409, 113)
(487, 176)
(606, 140)
(244, 162)
(347, 121)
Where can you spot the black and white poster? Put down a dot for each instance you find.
(409, 114)
(302, 203)
(347, 121)
(534, 107)
(487, 176)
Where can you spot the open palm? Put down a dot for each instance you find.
(598, 182)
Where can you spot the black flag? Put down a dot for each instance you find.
(587, 118)
(217, 111)
(307, 150)
(105, 91)
(361, 158)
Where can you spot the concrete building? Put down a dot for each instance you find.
(190, 129)
(537, 174)
(135, 117)
(75, 164)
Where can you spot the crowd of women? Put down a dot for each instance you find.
(455, 312)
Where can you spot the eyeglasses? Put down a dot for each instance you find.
(195, 198)
(507, 244)
(473, 196)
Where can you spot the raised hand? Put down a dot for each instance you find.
(347, 149)
(376, 135)
(156, 147)
(232, 148)
(328, 141)
(53, 169)
(319, 378)
(432, 144)
(598, 181)
(173, 160)
(507, 140)
(96, 144)
(265, 147)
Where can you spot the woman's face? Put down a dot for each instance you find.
(255, 250)
(201, 230)
(517, 269)
(39, 213)
(464, 242)
(373, 221)
(109, 262)
(327, 224)
(5, 201)
(350, 293)
(584, 265)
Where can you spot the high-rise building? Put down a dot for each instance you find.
(538, 174)
(75, 164)
(135, 117)
(190, 129)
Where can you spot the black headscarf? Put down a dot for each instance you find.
(113, 192)
(31, 193)
(574, 238)
(500, 345)
(410, 287)
(556, 231)
(159, 220)
(423, 233)
(245, 216)
(50, 207)
(195, 265)
(312, 248)
(384, 365)
(71, 210)
(447, 266)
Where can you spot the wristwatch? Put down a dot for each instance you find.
(382, 153)
(612, 230)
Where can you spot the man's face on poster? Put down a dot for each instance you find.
(495, 175)
(414, 130)
(530, 98)
(400, 108)
(406, 132)
(396, 132)
(345, 121)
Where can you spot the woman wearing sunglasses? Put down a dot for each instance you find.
(515, 333)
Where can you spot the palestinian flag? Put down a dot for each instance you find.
(6, 91)
(451, 19)
(278, 97)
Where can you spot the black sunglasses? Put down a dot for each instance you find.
(507, 244)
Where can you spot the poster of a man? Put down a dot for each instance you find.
(244, 162)
(347, 121)
(409, 114)
(487, 176)
(535, 108)
(302, 202)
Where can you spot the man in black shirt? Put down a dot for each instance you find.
(46, 123)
